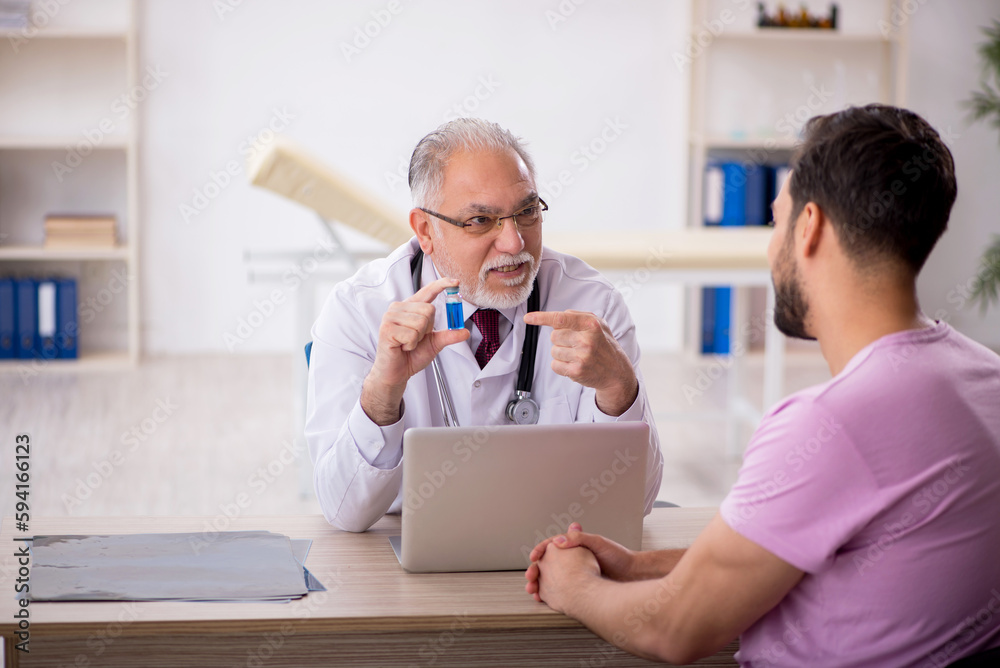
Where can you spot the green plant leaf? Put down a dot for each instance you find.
(989, 50)
(985, 106)
(986, 288)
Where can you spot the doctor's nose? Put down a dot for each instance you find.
(509, 240)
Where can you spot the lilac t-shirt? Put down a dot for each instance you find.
(883, 485)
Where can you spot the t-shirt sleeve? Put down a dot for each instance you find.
(803, 491)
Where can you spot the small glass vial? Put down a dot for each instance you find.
(453, 301)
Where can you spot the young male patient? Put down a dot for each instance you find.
(864, 526)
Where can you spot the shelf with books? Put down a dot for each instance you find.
(69, 145)
(752, 90)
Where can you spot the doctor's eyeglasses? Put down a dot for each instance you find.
(527, 218)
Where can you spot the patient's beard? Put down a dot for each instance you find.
(790, 305)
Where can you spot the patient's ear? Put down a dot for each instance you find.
(421, 227)
(810, 228)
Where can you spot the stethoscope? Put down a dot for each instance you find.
(521, 409)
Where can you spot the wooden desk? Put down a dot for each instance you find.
(373, 614)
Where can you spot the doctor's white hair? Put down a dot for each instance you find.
(462, 134)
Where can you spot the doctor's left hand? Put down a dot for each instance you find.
(585, 350)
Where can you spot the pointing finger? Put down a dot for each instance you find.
(575, 320)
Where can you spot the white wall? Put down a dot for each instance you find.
(944, 69)
(556, 84)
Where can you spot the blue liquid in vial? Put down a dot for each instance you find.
(456, 319)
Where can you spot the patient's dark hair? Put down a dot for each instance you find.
(884, 178)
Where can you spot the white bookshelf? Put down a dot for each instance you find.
(745, 80)
(65, 88)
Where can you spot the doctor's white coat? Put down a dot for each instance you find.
(357, 464)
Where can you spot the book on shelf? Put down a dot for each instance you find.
(8, 319)
(26, 317)
(38, 318)
(73, 231)
(736, 194)
(708, 311)
(57, 322)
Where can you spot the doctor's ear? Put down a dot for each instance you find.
(421, 226)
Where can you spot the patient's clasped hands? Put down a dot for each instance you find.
(559, 564)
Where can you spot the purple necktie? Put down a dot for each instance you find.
(488, 322)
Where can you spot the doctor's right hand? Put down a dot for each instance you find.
(407, 343)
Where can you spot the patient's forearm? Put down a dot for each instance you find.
(655, 564)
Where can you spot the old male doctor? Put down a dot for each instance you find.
(477, 220)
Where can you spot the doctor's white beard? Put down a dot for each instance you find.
(476, 291)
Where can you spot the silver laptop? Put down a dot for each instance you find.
(480, 498)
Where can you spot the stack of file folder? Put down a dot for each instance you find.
(38, 318)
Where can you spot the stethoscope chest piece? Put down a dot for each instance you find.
(522, 409)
